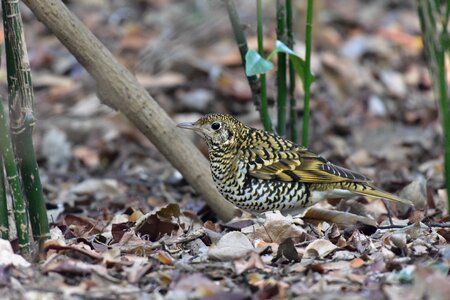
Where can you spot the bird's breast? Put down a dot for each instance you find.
(253, 194)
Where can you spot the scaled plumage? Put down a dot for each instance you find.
(260, 171)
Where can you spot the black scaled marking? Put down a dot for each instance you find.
(230, 133)
(291, 174)
(259, 160)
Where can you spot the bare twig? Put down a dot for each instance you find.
(392, 226)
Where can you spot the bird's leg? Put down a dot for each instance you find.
(389, 213)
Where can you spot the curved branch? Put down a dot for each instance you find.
(120, 89)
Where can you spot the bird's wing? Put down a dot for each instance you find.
(297, 164)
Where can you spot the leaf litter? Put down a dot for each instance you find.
(126, 225)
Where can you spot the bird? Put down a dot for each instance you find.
(259, 171)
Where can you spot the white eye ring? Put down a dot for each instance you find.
(215, 126)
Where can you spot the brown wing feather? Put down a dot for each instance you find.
(297, 164)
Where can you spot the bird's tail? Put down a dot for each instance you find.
(368, 190)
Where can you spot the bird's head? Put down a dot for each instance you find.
(219, 130)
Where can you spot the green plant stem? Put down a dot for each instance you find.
(434, 46)
(4, 226)
(292, 99)
(265, 117)
(21, 98)
(444, 97)
(20, 215)
(308, 78)
(243, 48)
(445, 116)
(446, 16)
(281, 70)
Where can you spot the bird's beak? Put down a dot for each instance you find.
(188, 125)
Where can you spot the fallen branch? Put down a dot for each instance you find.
(119, 89)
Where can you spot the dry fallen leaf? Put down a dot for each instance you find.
(254, 261)
(275, 229)
(231, 246)
(153, 228)
(164, 258)
(416, 192)
(193, 286)
(357, 263)
(429, 283)
(319, 249)
(287, 251)
(99, 188)
(88, 156)
(7, 256)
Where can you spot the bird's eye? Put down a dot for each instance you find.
(215, 126)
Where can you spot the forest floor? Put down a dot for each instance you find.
(126, 225)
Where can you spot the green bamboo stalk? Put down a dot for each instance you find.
(434, 47)
(281, 70)
(21, 98)
(445, 116)
(308, 79)
(4, 226)
(20, 215)
(292, 99)
(241, 42)
(446, 16)
(265, 117)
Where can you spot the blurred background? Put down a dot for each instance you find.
(372, 105)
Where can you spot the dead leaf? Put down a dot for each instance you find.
(231, 246)
(88, 156)
(358, 278)
(193, 286)
(227, 295)
(164, 258)
(169, 211)
(135, 215)
(399, 240)
(416, 192)
(237, 225)
(254, 261)
(276, 228)
(63, 265)
(357, 263)
(319, 249)
(359, 241)
(118, 230)
(82, 226)
(99, 188)
(78, 250)
(344, 255)
(429, 283)
(140, 266)
(288, 251)
(153, 228)
(8, 257)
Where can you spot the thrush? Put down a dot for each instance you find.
(259, 171)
